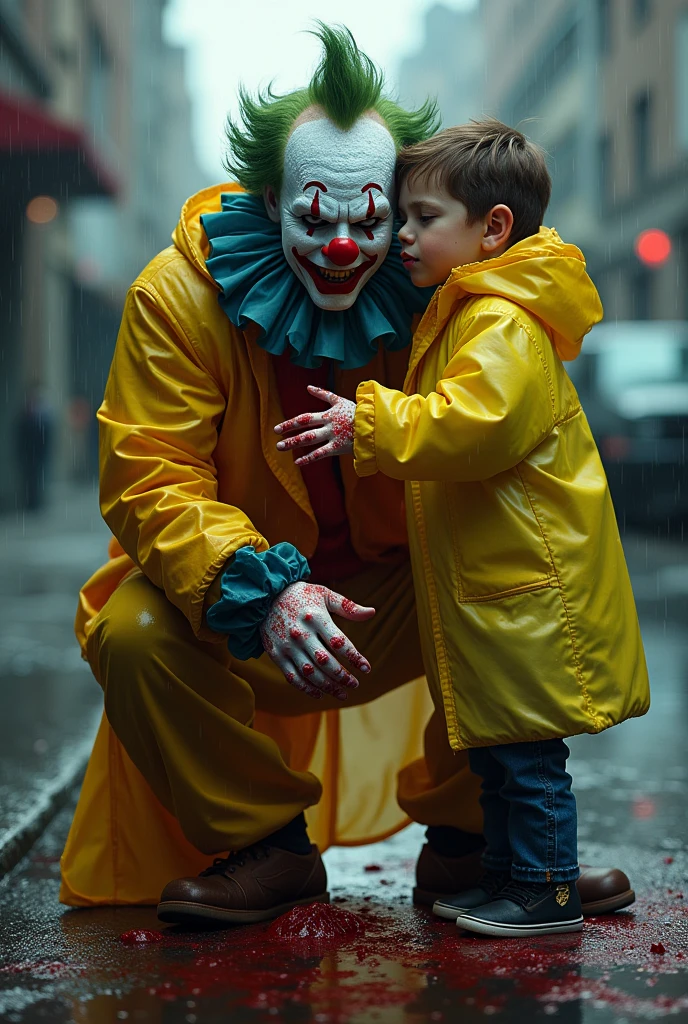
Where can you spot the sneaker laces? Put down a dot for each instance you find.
(228, 865)
(519, 892)
(494, 881)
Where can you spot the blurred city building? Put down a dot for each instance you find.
(449, 64)
(95, 163)
(605, 83)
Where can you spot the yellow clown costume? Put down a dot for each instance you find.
(205, 747)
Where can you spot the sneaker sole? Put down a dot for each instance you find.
(174, 912)
(516, 931)
(443, 910)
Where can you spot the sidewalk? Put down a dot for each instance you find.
(49, 702)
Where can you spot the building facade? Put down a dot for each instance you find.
(643, 155)
(602, 85)
(449, 64)
(93, 116)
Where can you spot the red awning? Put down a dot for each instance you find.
(39, 153)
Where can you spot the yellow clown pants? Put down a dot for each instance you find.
(232, 752)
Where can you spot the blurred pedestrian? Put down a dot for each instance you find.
(34, 435)
(83, 439)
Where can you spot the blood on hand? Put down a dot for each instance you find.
(334, 429)
(299, 635)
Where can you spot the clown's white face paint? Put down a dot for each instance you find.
(336, 207)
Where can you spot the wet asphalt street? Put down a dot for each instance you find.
(59, 965)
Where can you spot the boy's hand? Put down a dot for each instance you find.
(303, 641)
(332, 429)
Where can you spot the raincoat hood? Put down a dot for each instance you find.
(545, 276)
(189, 236)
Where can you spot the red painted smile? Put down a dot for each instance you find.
(334, 282)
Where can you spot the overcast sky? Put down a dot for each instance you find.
(254, 41)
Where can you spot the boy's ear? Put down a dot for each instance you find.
(271, 205)
(498, 225)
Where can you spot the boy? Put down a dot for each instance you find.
(526, 612)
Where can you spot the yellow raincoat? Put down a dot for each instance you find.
(528, 623)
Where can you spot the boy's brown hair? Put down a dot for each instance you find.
(484, 163)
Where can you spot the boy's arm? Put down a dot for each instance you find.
(158, 432)
(492, 406)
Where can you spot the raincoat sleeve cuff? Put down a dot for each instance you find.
(249, 585)
(365, 459)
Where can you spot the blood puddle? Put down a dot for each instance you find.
(317, 922)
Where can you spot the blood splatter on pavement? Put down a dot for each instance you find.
(368, 956)
(401, 964)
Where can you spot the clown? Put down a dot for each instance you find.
(254, 631)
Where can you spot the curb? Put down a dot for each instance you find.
(19, 840)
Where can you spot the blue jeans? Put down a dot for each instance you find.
(530, 812)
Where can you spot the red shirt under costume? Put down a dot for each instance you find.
(334, 556)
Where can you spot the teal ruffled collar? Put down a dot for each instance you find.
(257, 284)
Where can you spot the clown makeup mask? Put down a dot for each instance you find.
(335, 206)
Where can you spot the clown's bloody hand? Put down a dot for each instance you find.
(332, 429)
(303, 641)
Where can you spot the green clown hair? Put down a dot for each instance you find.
(346, 84)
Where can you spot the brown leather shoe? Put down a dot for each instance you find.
(255, 884)
(438, 876)
(602, 890)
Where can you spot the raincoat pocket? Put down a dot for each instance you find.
(498, 544)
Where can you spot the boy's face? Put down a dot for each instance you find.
(436, 237)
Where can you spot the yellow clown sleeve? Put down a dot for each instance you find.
(158, 432)
(491, 406)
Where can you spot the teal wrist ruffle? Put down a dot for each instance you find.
(249, 586)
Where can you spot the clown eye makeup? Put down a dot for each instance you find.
(314, 209)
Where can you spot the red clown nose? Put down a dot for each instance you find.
(341, 251)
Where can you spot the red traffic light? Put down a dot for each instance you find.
(653, 247)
